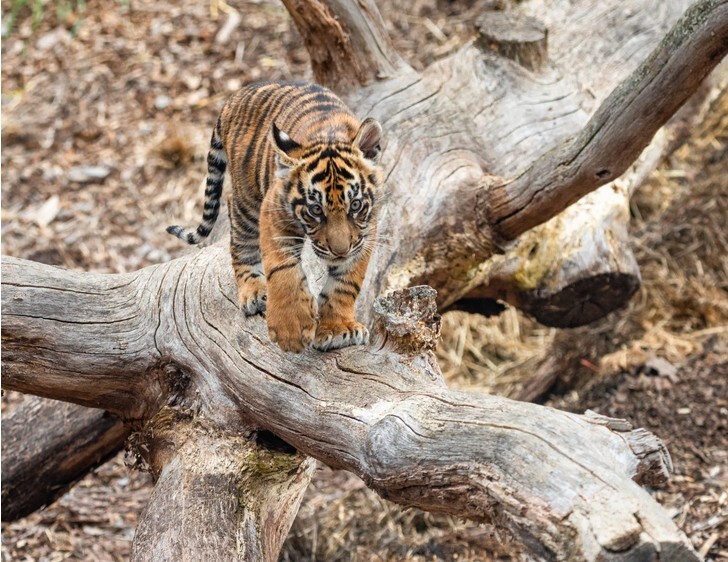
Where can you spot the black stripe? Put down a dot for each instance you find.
(313, 149)
(248, 232)
(340, 291)
(344, 173)
(331, 151)
(265, 158)
(247, 114)
(317, 107)
(279, 268)
(218, 164)
(352, 284)
(250, 262)
(311, 166)
(252, 219)
(319, 177)
(214, 185)
(204, 230)
(215, 141)
(270, 107)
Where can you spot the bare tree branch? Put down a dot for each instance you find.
(621, 128)
(347, 42)
(381, 412)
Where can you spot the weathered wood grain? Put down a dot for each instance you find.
(522, 39)
(172, 334)
(218, 496)
(620, 129)
(347, 42)
(560, 481)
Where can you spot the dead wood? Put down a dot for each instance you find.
(47, 446)
(472, 119)
(620, 129)
(380, 412)
(173, 333)
(347, 42)
(522, 39)
(231, 499)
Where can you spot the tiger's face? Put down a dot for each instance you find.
(331, 190)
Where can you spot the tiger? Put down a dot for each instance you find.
(303, 167)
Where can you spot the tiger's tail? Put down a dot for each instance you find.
(216, 165)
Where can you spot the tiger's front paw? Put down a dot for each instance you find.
(252, 296)
(335, 335)
(293, 327)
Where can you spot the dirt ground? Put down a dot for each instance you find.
(106, 110)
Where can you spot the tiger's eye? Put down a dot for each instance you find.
(316, 210)
(355, 206)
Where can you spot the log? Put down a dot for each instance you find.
(461, 128)
(172, 334)
(347, 42)
(579, 266)
(231, 499)
(632, 113)
(47, 446)
(381, 412)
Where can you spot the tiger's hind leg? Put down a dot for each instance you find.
(247, 263)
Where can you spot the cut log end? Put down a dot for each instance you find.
(408, 319)
(582, 302)
(514, 36)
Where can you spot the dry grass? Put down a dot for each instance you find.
(493, 354)
(94, 99)
(681, 242)
(341, 520)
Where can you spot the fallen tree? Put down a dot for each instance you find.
(165, 349)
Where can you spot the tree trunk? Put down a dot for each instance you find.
(171, 336)
(231, 499)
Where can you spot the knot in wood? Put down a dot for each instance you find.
(408, 319)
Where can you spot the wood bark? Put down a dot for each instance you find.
(172, 334)
(622, 126)
(381, 412)
(47, 446)
(579, 266)
(347, 42)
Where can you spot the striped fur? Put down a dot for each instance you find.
(302, 167)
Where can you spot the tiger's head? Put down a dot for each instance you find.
(331, 189)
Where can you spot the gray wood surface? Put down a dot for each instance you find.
(562, 482)
(172, 334)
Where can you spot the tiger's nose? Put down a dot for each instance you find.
(339, 248)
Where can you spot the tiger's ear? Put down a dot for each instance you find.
(284, 146)
(369, 138)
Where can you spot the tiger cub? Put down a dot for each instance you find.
(302, 166)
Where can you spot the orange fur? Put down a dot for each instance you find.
(302, 167)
